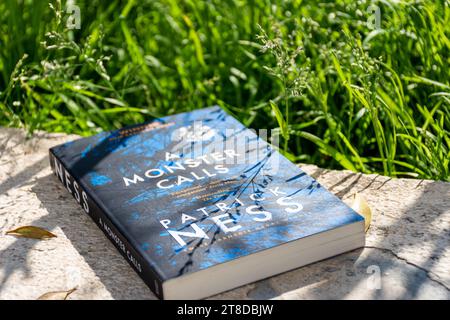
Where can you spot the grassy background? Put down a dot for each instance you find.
(340, 93)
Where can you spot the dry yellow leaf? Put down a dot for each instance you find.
(360, 205)
(31, 232)
(56, 295)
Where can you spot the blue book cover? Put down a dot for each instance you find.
(186, 193)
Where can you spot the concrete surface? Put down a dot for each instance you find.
(407, 255)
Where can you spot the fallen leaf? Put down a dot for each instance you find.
(31, 232)
(360, 205)
(56, 295)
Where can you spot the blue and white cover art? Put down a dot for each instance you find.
(197, 189)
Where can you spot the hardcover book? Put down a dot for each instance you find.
(198, 204)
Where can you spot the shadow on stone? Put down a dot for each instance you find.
(407, 245)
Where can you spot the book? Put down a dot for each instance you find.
(198, 204)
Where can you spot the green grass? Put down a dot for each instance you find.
(340, 94)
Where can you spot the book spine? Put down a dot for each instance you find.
(135, 259)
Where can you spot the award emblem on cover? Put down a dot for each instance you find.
(194, 133)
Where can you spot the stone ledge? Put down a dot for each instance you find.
(408, 241)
